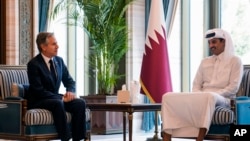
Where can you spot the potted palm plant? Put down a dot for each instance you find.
(105, 23)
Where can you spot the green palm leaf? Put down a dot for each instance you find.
(105, 23)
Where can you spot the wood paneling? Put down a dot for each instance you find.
(17, 23)
(2, 31)
(11, 32)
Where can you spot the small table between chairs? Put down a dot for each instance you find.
(130, 109)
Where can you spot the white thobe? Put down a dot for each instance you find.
(216, 81)
(224, 79)
(184, 113)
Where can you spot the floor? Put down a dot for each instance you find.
(136, 137)
(142, 136)
(119, 137)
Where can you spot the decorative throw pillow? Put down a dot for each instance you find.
(222, 116)
(18, 90)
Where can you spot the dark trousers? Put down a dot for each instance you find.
(78, 123)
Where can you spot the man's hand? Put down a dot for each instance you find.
(68, 96)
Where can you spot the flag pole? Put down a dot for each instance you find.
(155, 77)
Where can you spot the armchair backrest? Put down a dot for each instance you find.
(10, 74)
(244, 89)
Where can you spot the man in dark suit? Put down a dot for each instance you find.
(45, 77)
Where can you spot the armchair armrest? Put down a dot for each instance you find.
(13, 98)
(233, 100)
(18, 101)
(242, 110)
(11, 115)
(232, 103)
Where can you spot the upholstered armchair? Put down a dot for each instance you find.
(223, 118)
(16, 121)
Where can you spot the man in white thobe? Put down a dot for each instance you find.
(217, 81)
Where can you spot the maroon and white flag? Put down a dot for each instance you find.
(155, 78)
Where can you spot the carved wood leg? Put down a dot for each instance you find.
(166, 136)
(202, 134)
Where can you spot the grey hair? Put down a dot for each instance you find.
(42, 39)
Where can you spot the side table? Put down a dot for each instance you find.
(105, 122)
(128, 109)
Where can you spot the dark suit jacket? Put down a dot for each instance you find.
(42, 85)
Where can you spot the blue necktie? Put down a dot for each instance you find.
(52, 70)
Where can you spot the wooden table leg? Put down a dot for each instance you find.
(156, 127)
(130, 118)
(124, 126)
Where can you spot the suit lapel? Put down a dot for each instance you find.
(45, 67)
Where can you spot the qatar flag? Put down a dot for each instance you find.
(155, 77)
